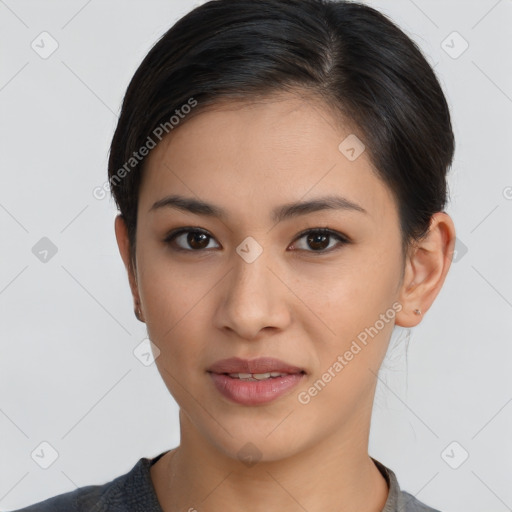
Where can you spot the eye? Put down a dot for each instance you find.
(318, 239)
(197, 239)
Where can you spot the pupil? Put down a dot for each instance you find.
(194, 237)
(314, 240)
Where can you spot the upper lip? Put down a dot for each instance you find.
(259, 365)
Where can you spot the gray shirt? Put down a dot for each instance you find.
(134, 492)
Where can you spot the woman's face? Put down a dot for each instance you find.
(257, 286)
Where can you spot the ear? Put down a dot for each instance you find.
(426, 266)
(124, 249)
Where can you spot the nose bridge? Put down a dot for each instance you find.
(252, 298)
(250, 278)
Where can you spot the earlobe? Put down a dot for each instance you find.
(427, 265)
(123, 244)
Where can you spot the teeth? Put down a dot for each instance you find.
(261, 376)
(256, 376)
(242, 375)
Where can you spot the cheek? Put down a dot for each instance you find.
(356, 291)
(168, 287)
(175, 317)
(361, 316)
(172, 299)
(351, 307)
(172, 311)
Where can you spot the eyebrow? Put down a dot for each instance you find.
(280, 213)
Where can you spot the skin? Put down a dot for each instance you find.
(293, 303)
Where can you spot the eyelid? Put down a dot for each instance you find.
(326, 231)
(173, 234)
(342, 238)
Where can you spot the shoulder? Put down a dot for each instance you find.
(133, 488)
(408, 503)
(80, 500)
(399, 500)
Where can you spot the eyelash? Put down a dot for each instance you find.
(342, 239)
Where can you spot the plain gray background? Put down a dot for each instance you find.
(68, 373)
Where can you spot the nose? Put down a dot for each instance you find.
(254, 298)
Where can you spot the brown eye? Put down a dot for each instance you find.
(319, 240)
(189, 240)
(197, 240)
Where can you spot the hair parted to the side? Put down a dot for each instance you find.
(347, 54)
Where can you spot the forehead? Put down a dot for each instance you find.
(279, 149)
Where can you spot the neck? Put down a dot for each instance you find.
(331, 475)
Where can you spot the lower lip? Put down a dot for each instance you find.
(255, 392)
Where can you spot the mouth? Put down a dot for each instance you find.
(254, 382)
(255, 377)
(259, 369)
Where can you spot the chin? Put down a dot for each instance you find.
(256, 445)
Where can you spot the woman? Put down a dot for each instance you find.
(280, 171)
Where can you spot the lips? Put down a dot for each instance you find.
(249, 382)
(254, 366)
